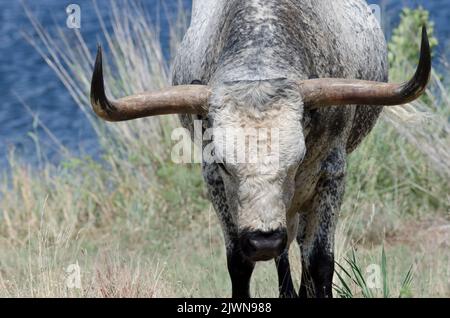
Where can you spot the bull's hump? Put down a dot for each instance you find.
(281, 38)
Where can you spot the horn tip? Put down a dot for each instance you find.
(425, 57)
(425, 40)
(99, 52)
(418, 84)
(100, 104)
(98, 59)
(97, 86)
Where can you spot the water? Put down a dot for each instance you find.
(24, 74)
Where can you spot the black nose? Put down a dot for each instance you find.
(263, 246)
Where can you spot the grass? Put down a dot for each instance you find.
(138, 225)
(368, 285)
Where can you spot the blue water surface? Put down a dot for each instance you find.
(25, 76)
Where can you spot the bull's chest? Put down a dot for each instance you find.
(326, 132)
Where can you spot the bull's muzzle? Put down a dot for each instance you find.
(263, 246)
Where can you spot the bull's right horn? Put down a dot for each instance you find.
(183, 99)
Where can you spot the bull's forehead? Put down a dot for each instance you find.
(257, 126)
(262, 102)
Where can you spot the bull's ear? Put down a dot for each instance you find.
(333, 92)
(183, 99)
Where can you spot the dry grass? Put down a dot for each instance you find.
(140, 226)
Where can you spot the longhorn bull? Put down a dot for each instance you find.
(314, 69)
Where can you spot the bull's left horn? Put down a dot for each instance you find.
(333, 92)
(184, 99)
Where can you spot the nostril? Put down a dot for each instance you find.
(264, 245)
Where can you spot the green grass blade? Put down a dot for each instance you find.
(384, 274)
(405, 290)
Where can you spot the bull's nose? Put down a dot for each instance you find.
(263, 246)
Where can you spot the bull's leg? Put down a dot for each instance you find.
(240, 270)
(317, 230)
(285, 284)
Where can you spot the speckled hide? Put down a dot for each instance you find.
(250, 53)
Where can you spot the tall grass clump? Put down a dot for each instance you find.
(377, 284)
(137, 225)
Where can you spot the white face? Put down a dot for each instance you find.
(259, 176)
